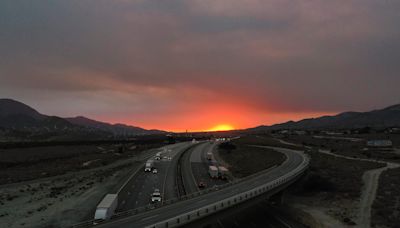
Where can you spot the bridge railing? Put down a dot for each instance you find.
(223, 204)
(217, 206)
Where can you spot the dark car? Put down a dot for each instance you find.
(202, 184)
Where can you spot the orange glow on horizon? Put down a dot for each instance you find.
(222, 127)
(233, 119)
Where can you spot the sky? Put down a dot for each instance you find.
(196, 64)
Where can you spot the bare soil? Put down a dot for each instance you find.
(59, 201)
(246, 159)
(23, 164)
(351, 145)
(386, 207)
(57, 186)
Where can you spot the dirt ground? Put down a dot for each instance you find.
(64, 200)
(23, 164)
(335, 187)
(351, 145)
(386, 207)
(378, 194)
(246, 159)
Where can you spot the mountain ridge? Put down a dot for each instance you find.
(379, 118)
(18, 117)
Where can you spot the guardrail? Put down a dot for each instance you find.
(213, 208)
(231, 201)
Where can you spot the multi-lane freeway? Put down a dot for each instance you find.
(295, 162)
(137, 191)
(194, 168)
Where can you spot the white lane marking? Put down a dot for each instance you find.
(283, 222)
(149, 218)
(201, 201)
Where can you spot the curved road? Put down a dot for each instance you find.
(194, 168)
(294, 160)
(136, 192)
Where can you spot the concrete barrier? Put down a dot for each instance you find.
(270, 187)
(231, 201)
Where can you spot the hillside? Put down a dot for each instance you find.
(19, 121)
(116, 129)
(387, 117)
(19, 116)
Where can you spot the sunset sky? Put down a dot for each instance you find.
(196, 64)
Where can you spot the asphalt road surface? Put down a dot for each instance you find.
(138, 190)
(294, 159)
(195, 167)
(258, 213)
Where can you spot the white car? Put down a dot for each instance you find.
(156, 196)
(155, 171)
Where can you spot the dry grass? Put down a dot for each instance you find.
(348, 148)
(337, 178)
(246, 160)
(386, 207)
(22, 164)
(265, 140)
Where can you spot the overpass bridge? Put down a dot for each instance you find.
(186, 209)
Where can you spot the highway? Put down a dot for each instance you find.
(136, 193)
(195, 168)
(295, 160)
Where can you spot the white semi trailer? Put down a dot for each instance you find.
(223, 172)
(213, 171)
(106, 207)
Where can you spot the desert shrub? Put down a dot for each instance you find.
(316, 183)
(228, 146)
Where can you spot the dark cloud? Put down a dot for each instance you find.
(173, 57)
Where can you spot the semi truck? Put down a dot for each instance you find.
(213, 171)
(149, 166)
(106, 207)
(223, 172)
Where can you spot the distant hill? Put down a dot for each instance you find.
(19, 121)
(10, 107)
(116, 129)
(17, 115)
(387, 117)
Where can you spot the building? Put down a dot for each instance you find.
(379, 143)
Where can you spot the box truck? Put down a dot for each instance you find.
(106, 207)
(213, 171)
(149, 166)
